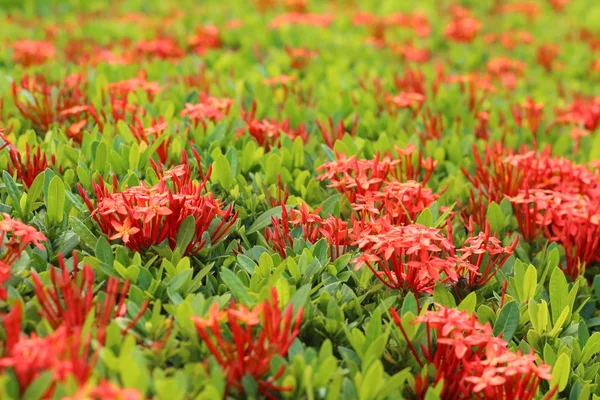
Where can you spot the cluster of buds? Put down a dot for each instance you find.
(45, 101)
(28, 168)
(244, 342)
(143, 216)
(65, 353)
(335, 132)
(314, 227)
(268, 132)
(70, 299)
(470, 360)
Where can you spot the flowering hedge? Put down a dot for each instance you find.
(300, 199)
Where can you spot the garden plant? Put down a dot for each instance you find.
(299, 199)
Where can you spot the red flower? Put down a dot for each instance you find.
(68, 302)
(209, 109)
(314, 228)
(204, 38)
(46, 101)
(268, 132)
(354, 177)
(105, 390)
(399, 202)
(410, 257)
(546, 56)
(32, 52)
(65, 353)
(294, 18)
(300, 56)
(336, 131)
(471, 361)
(506, 70)
(257, 336)
(11, 247)
(583, 111)
(143, 216)
(530, 112)
(482, 255)
(35, 163)
(162, 48)
(463, 27)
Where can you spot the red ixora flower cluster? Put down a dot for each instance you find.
(244, 342)
(268, 132)
(66, 353)
(89, 52)
(551, 197)
(143, 216)
(70, 299)
(32, 52)
(28, 168)
(15, 236)
(209, 108)
(314, 227)
(378, 26)
(414, 257)
(43, 102)
(471, 361)
(359, 179)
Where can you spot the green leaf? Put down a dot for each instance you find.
(442, 296)
(273, 168)
(529, 283)
(179, 280)
(591, 348)
(38, 387)
(264, 219)
(469, 303)
(35, 191)
(561, 372)
(300, 298)
(104, 251)
(559, 322)
(559, 292)
(507, 321)
(371, 382)
(221, 172)
(495, 217)
(13, 191)
(186, 232)
(238, 290)
(83, 232)
(409, 304)
(595, 149)
(425, 218)
(55, 201)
